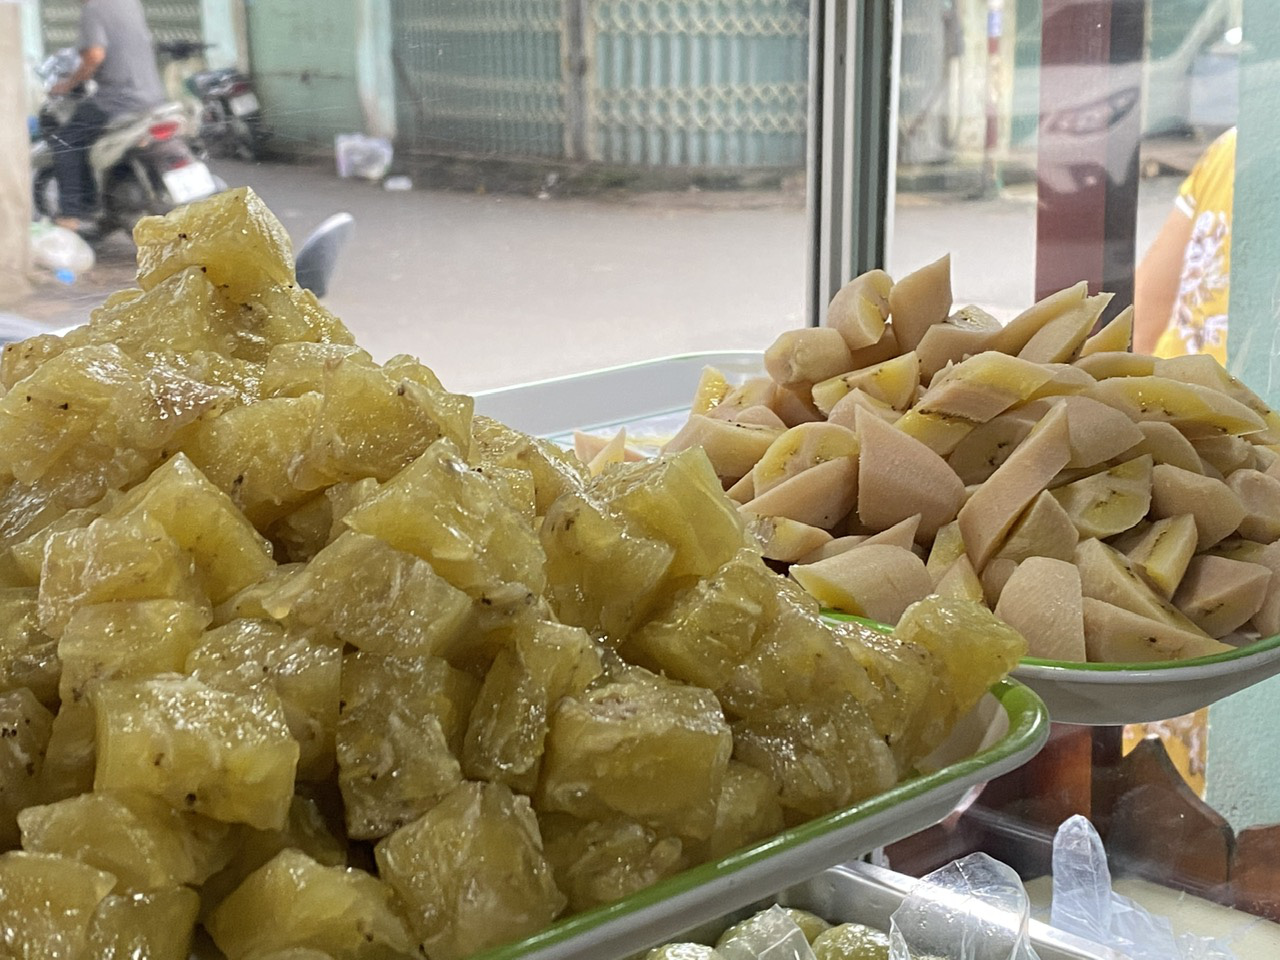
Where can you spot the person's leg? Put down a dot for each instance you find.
(71, 143)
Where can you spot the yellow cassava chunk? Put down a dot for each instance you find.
(46, 905)
(554, 472)
(233, 237)
(226, 755)
(24, 736)
(471, 872)
(303, 671)
(454, 518)
(28, 656)
(145, 843)
(748, 810)
(400, 733)
(376, 598)
(293, 901)
(597, 862)
(154, 926)
(639, 746)
(508, 726)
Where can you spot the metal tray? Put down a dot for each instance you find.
(1003, 732)
(867, 894)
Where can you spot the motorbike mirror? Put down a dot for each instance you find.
(318, 255)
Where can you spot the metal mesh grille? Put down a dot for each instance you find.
(699, 82)
(480, 76)
(168, 21)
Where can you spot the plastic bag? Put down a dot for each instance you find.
(770, 935)
(1084, 904)
(360, 156)
(972, 909)
(59, 250)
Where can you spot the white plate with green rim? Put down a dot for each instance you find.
(1004, 731)
(1118, 693)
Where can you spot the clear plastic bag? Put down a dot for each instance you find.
(59, 250)
(770, 935)
(1084, 904)
(360, 156)
(972, 909)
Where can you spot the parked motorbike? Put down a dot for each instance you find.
(229, 111)
(142, 164)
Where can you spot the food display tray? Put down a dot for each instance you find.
(651, 399)
(867, 894)
(1005, 730)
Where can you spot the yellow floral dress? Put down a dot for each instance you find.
(1199, 321)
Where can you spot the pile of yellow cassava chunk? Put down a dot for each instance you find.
(299, 655)
(1110, 506)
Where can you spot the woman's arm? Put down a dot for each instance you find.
(1155, 288)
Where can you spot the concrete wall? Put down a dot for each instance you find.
(1243, 777)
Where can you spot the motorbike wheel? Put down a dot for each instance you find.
(44, 194)
(124, 204)
(248, 138)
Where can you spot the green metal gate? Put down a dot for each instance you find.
(720, 83)
(169, 20)
(481, 76)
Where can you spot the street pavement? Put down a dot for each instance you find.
(495, 289)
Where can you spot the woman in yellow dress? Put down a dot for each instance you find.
(1182, 286)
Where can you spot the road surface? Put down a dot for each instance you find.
(491, 290)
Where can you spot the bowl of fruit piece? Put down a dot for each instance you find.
(301, 657)
(1121, 511)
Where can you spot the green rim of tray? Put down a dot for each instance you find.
(1028, 720)
(1248, 650)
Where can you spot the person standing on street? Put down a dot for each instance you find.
(116, 52)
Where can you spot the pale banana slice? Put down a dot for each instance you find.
(966, 333)
(1061, 337)
(1019, 331)
(807, 355)
(1044, 530)
(1064, 380)
(1226, 454)
(939, 433)
(1162, 554)
(732, 448)
(886, 348)
(948, 547)
(784, 539)
(977, 389)
(978, 454)
(831, 549)
(1260, 495)
(959, 582)
(742, 491)
(793, 403)
(858, 311)
(1166, 444)
(1098, 432)
(800, 448)
(614, 451)
(1042, 600)
(845, 412)
(899, 477)
(1205, 370)
(893, 381)
(1115, 337)
(1195, 410)
(586, 446)
(821, 496)
(1267, 620)
(919, 300)
(1217, 508)
(877, 581)
(759, 415)
(1109, 502)
(712, 388)
(757, 391)
(903, 534)
(1115, 635)
(1265, 459)
(989, 514)
(1220, 595)
(994, 577)
(1127, 541)
(1106, 574)
(1107, 365)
